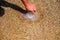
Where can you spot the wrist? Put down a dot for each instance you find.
(25, 2)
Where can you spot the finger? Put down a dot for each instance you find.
(33, 11)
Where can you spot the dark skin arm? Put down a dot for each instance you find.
(29, 6)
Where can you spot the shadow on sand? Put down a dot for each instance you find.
(13, 6)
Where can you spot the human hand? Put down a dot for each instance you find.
(31, 7)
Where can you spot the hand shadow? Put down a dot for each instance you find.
(13, 6)
(1, 11)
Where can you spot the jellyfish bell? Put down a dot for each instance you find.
(31, 16)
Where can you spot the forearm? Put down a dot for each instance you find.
(25, 2)
(29, 6)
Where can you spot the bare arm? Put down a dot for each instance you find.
(29, 6)
(25, 2)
